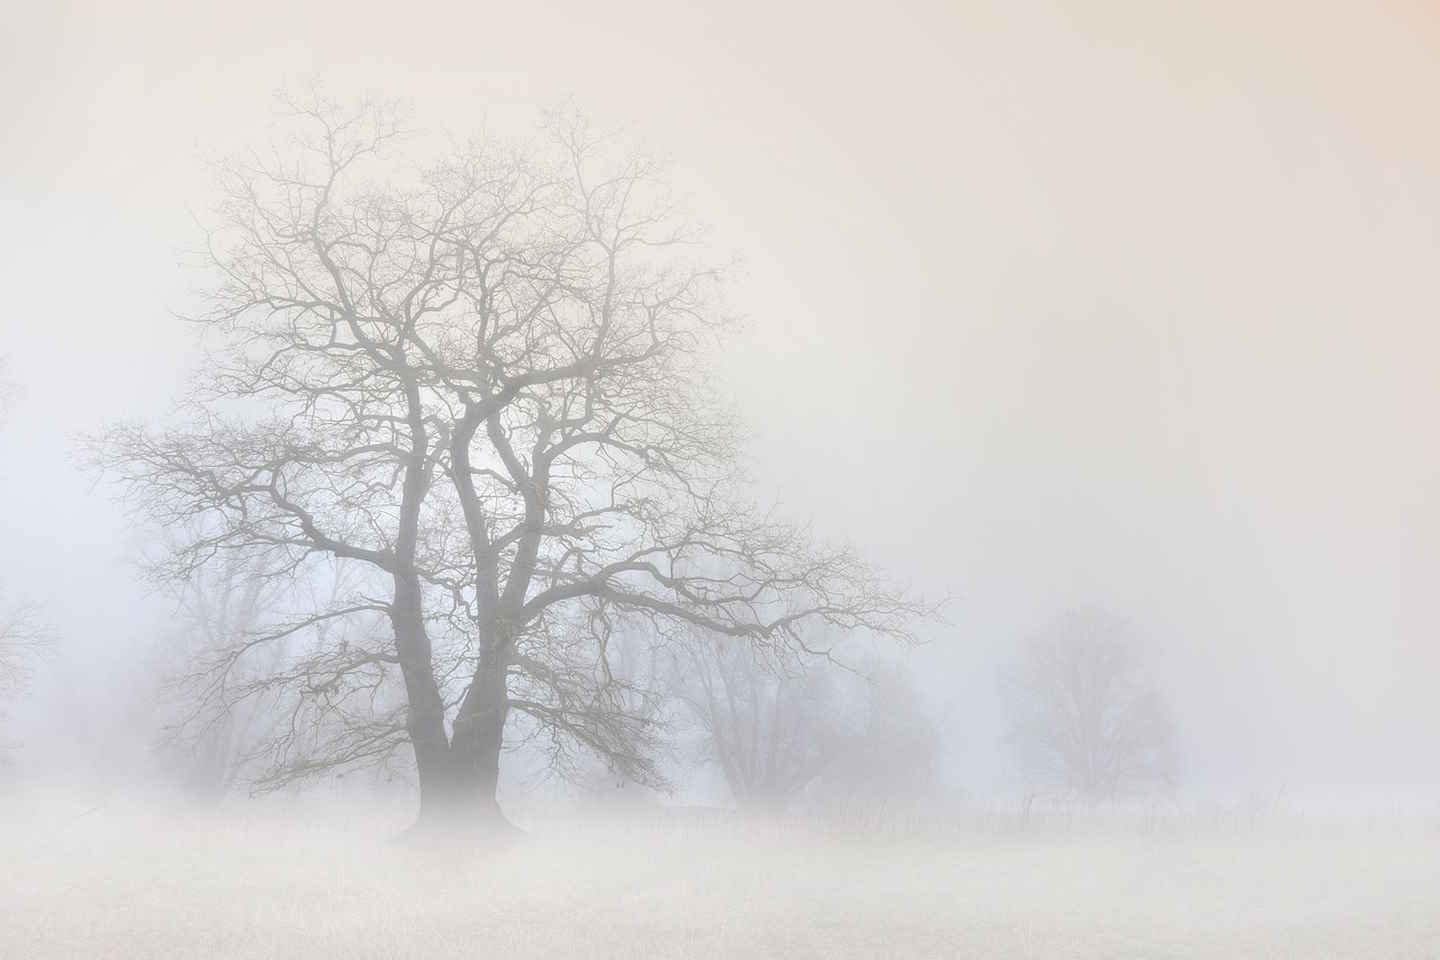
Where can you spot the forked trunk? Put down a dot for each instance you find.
(461, 796)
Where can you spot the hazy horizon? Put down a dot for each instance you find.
(1046, 307)
(1109, 324)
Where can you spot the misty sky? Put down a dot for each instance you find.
(1108, 303)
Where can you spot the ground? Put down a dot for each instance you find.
(99, 882)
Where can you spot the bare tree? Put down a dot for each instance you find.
(8, 390)
(214, 735)
(485, 380)
(780, 727)
(892, 757)
(771, 724)
(636, 667)
(1084, 720)
(216, 608)
(24, 638)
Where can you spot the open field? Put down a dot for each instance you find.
(125, 884)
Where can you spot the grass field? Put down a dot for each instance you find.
(91, 883)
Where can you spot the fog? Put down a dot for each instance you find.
(1106, 307)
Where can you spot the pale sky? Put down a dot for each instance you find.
(1106, 303)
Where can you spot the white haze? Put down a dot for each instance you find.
(1050, 305)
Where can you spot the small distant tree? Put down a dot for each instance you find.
(23, 642)
(205, 738)
(779, 726)
(633, 670)
(24, 638)
(223, 710)
(8, 390)
(771, 724)
(1085, 721)
(892, 756)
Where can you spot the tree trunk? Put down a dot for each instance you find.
(425, 709)
(460, 800)
(479, 733)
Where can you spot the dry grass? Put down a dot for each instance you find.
(128, 884)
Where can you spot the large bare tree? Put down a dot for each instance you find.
(1085, 721)
(485, 381)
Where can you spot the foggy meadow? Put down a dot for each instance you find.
(696, 481)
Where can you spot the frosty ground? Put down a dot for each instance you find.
(120, 880)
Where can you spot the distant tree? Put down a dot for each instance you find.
(223, 715)
(24, 638)
(770, 724)
(484, 380)
(8, 389)
(206, 737)
(777, 727)
(1085, 722)
(634, 667)
(892, 756)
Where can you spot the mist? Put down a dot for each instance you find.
(1029, 403)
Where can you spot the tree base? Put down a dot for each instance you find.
(461, 830)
